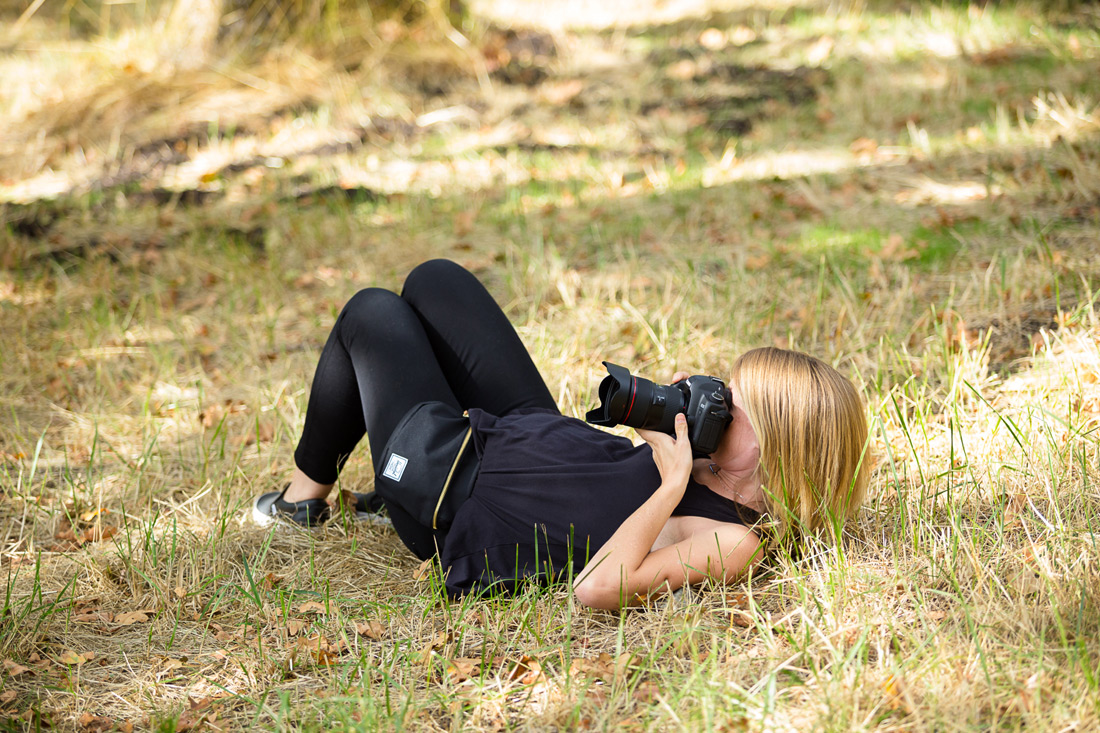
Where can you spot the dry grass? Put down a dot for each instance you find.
(908, 193)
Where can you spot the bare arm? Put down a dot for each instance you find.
(624, 569)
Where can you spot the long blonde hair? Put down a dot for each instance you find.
(812, 430)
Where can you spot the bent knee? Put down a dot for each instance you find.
(429, 276)
(370, 304)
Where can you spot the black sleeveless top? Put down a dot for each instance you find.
(699, 501)
(550, 492)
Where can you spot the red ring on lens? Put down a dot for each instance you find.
(633, 394)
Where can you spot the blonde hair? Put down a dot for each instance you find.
(812, 430)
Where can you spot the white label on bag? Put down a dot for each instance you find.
(395, 467)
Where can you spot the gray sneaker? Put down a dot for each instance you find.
(271, 507)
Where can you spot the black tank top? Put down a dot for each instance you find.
(699, 501)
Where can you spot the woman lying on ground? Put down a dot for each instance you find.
(553, 497)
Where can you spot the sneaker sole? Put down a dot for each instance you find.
(266, 520)
(263, 520)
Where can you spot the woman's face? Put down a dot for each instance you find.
(739, 450)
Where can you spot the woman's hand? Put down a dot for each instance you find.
(672, 455)
(679, 377)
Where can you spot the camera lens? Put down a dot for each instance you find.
(637, 403)
(655, 407)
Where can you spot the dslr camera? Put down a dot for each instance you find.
(639, 403)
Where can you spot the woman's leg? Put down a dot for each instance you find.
(376, 365)
(444, 339)
(478, 350)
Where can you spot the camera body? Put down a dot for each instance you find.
(640, 403)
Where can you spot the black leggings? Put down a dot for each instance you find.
(444, 338)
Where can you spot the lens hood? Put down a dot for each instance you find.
(616, 395)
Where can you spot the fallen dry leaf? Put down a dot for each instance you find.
(424, 570)
(737, 600)
(438, 641)
(95, 723)
(320, 649)
(192, 720)
(526, 671)
(602, 667)
(623, 663)
(312, 607)
(171, 665)
(741, 618)
(463, 668)
(71, 658)
(98, 534)
(78, 537)
(7, 696)
(325, 657)
(270, 581)
(370, 629)
(65, 532)
(131, 617)
(441, 639)
(92, 617)
(202, 703)
(14, 669)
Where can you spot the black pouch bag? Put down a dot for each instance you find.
(429, 464)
